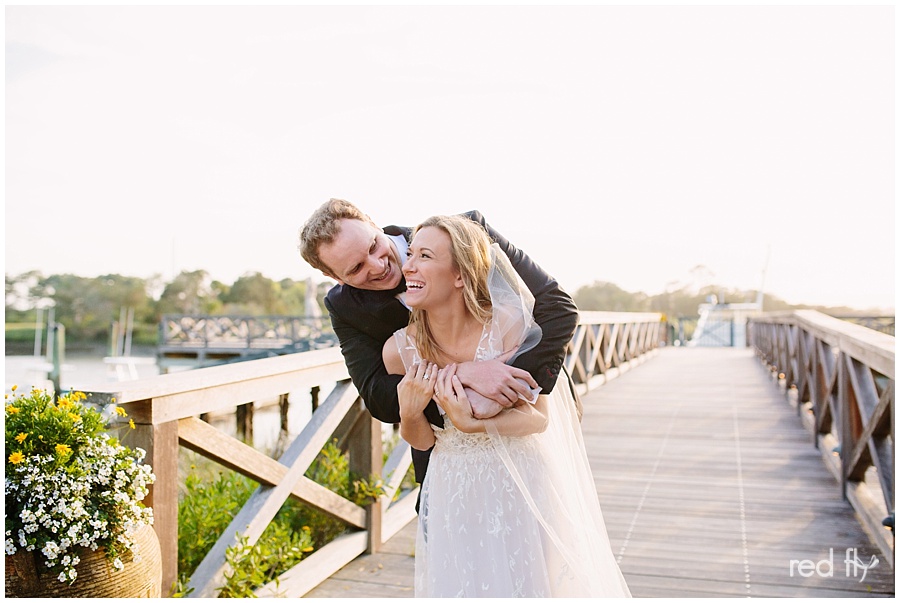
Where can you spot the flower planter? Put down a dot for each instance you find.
(27, 577)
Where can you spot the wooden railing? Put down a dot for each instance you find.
(842, 378)
(202, 340)
(166, 408)
(605, 344)
(883, 324)
(202, 330)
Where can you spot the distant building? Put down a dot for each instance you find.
(723, 324)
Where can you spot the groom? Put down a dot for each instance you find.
(366, 307)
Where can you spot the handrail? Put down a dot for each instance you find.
(842, 374)
(606, 344)
(165, 410)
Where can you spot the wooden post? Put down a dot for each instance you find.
(244, 417)
(314, 395)
(282, 442)
(161, 443)
(57, 356)
(846, 437)
(366, 459)
(283, 407)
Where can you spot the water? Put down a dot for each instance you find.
(88, 372)
(78, 372)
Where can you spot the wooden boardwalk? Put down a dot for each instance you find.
(710, 487)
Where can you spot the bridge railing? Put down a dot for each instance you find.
(200, 340)
(166, 411)
(605, 344)
(842, 376)
(203, 331)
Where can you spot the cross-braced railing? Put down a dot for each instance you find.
(842, 375)
(608, 343)
(166, 408)
(165, 411)
(191, 331)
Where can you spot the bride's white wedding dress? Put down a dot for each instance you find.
(504, 516)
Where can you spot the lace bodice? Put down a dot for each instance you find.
(489, 346)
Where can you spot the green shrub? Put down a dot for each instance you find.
(206, 508)
(251, 566)
(209, 503)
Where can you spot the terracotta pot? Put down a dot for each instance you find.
(27, 576)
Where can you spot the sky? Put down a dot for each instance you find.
(647, 146)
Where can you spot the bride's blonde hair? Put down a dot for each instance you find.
(470, 253)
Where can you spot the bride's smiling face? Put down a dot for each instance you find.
(431, 277)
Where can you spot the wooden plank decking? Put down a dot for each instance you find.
(710, 487)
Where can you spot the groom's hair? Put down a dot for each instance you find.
(322, 227)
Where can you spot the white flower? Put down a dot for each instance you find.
(51, 499)
(50, 550)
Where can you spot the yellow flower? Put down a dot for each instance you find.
(16, 457)
(75, 417)
(21, 437)
(131, 423)
(12, 410)
(62, 449)
(121, 411)
(308, 549)
(14, 387)
(64, 402)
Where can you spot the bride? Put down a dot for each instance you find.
(508, 506)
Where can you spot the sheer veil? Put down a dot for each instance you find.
(512, 315)
(551, 471)
(561, 492)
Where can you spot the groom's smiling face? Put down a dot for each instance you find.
(362, 256)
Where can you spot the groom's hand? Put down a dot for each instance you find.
(500, 382)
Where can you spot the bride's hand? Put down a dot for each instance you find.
(451, 395)
(416, 389)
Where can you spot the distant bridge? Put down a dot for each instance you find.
(199, 340)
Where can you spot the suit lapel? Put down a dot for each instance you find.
(398, 230)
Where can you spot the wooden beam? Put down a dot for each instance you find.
(265, 502)
(208, 441)
(161, 444)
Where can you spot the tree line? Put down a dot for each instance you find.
(88, 306)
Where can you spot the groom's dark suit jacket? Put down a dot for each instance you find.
(363, 320)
